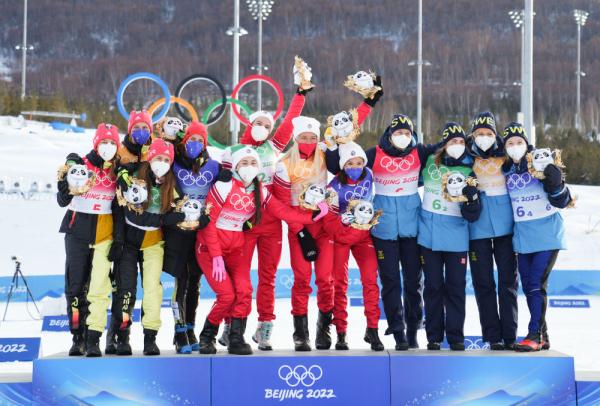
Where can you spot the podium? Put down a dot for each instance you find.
(320, 377)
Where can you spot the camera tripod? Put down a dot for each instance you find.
(15, 285)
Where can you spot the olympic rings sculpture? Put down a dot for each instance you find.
(256, 78)
(205, 78)
(178, 101)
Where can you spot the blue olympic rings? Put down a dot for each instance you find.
(144, 75)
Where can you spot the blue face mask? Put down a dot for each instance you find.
(140, 136)
(353, 173)
(193, 149)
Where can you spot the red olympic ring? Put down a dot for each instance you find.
(254, 78)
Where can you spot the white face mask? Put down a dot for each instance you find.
(516, 152)
(248, 173)
(401, 141)
(259, 133)
(484, 142)
(455, 150)
(160, 168)
(107, 151)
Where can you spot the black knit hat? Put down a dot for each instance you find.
(399, 122)
(514, 129)
(484, 120)
(453, 130)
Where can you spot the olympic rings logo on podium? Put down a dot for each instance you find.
(300, 375)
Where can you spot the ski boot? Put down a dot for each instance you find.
(180, 340)
(401, 342)
(372, 337)
(237, 344)
(191, 335)
(533, 342)
(323, 340)
(301, 336)
(123, 346)
(224, 339)
(150, 347)
(78, 347)
(92, 344)
(207, 338)
(341, 344)
(262, 336)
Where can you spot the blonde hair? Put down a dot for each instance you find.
(293, 157)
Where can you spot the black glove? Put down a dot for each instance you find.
(75, 158)
(309, 247)
(224, 175)
(372, 102)
(203, 220)
(553, 179)
(247, 225)
(63, 187)
(116, 251)
(471, 193)
(124, 174)
(303, 91)
(172, 218)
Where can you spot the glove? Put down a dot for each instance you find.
(247, 226)
(347, 218)
(203, 221)
(471, 193)
(172, 218)
(73, 159)
(303, 91)
(63, 187)
(123, 177)
(553, 179)
(323, 210)
(224, 175)
(116, 251)
(308, 245)
(219, 273)
(372, 102)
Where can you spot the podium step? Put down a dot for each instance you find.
(319, 377)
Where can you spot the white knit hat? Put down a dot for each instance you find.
(262, 113)
(239, 152)
(303, 124)
(351, 150)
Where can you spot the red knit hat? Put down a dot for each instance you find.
(160, 147)
(139, 117)
(196, 128)
(106, 132)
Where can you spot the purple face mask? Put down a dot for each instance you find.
(193, 149)
(353, 173)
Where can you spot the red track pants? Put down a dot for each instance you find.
(234, 294)
(267, 238)
(365, 256)
(302, 269)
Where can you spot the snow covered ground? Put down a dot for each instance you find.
(32, 151)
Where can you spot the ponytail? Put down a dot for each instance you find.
(257, 200)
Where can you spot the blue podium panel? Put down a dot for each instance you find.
(480, 378)
(165, 380)
(283, 378)
(588, 388)
(15, 393)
